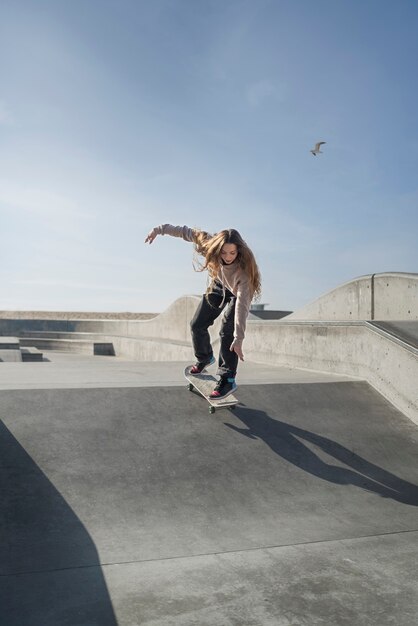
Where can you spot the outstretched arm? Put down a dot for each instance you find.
(184, 232)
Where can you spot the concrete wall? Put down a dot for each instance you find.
(388, 296)
(396, 296)
(164, 337)
(152, 350)
(355, 349)
(331, 335)
(172, 324)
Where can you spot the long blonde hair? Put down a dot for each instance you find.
(210, 247)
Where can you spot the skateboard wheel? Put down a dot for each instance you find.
(191, 387)
(212, 409)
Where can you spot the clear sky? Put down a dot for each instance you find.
(117, 115)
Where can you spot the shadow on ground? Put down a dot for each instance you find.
(289, 442)
(49, 566)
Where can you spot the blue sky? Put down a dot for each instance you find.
(117, 115)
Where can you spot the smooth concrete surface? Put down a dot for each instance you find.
(131, 505)
(60, 371)
(384, 296)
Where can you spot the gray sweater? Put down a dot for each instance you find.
(232, 277)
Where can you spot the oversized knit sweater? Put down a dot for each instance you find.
(232, 277)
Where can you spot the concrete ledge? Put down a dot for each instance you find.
(10, 349)
(46, 334)
(93, 345)
(31, 354)
(66, 345)
(9, 343)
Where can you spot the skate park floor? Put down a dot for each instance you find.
(124, 502)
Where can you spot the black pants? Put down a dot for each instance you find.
(205, 315)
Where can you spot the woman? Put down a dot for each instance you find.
(234, 280)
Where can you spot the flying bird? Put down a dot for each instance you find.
(317, 150)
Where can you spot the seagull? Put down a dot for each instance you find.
(317, 150)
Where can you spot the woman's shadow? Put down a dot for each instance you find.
(286, 441)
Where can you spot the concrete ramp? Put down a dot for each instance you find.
(134, 506)
(386, 296)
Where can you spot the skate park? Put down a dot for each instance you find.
(125, 502)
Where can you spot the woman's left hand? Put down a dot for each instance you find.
(151, 236)
(236, 347)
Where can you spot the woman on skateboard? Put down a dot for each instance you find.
(234, 280)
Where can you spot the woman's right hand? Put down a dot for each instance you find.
(151, 236)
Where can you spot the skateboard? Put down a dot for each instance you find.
(204, 383)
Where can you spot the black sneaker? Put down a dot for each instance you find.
(223, 388)
(200, 367)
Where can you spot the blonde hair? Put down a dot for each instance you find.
(210, 247)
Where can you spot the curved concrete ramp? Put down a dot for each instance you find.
(387, 296)
(301, 507)
(172, 324)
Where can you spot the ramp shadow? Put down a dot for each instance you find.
(49, 566)
(287, 441)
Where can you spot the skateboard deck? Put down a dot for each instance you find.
(204, 384)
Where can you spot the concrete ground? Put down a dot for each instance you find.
(125, 503)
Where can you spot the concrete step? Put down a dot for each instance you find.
(31, 354)
(135, 348)
(10, 349)
(83, 346)
(47, 334)
(9, 343)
